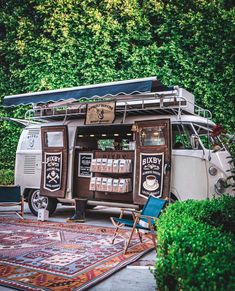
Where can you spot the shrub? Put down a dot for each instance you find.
(216, 212)
(195, 251)
(6, 177)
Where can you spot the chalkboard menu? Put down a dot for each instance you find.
(84, 164)
(151, 174)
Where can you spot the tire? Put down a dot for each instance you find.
(36, 201)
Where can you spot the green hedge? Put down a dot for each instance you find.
(6, 177)
(196, 249)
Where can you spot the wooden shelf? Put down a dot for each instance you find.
(112, 173)
(112, 192)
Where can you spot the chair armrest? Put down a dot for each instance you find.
(130, 210)
(145, 216)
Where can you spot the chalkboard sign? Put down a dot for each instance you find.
(52, 171)
(84, 164)
(151, 174)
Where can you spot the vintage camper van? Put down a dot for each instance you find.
(115, 144)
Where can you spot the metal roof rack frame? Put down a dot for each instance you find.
(177, 101)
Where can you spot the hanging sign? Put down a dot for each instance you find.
(52, 171)
(151, 174)
(100, 112)
(84, 164)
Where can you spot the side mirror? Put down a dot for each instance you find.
(194, 140)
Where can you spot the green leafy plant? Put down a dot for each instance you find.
(231, 178)
(196, 245)
(59, 44)
(6, 177)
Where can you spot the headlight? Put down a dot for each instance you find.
(220, 186)
(213, 171)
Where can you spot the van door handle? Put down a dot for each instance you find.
(167, 167)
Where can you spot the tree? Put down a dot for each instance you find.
(56, 44)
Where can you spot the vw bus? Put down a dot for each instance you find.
(114, 144)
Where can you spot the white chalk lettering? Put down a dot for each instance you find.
(152, 160)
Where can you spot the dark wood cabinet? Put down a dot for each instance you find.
(125, 197)
(81, 184)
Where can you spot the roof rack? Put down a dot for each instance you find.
(177, 101)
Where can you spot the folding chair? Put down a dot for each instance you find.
(11, 196)
(142, 220)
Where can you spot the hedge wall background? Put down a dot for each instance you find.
(55, 44)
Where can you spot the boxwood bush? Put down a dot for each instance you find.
(6, 177)
(196, 249)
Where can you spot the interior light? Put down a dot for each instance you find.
(129, 134)
(104, 134)
(80, 135)
(134, 128)
(116, 134)
(92, 135)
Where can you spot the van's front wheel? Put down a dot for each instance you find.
(36, 201)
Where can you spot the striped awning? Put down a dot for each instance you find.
(128, 87)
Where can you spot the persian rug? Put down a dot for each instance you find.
(36, 255)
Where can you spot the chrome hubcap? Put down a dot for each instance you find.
(38, 201)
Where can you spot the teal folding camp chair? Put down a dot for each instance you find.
(11, 196)
(143, 220)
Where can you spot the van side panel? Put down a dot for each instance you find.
(29, 159)
(189, 177)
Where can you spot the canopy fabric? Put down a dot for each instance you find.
(127, 87)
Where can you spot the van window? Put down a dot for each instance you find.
(151, 136)
(106, 144)
(207, 140)
(54, 139)
(104, 137)
(112, 144)
(181, 136)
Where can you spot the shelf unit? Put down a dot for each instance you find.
(113, 195)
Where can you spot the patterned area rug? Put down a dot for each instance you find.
(60, 256)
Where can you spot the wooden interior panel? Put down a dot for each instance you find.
(81, 184)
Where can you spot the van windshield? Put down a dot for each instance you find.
(181, 136)
(209, 142)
